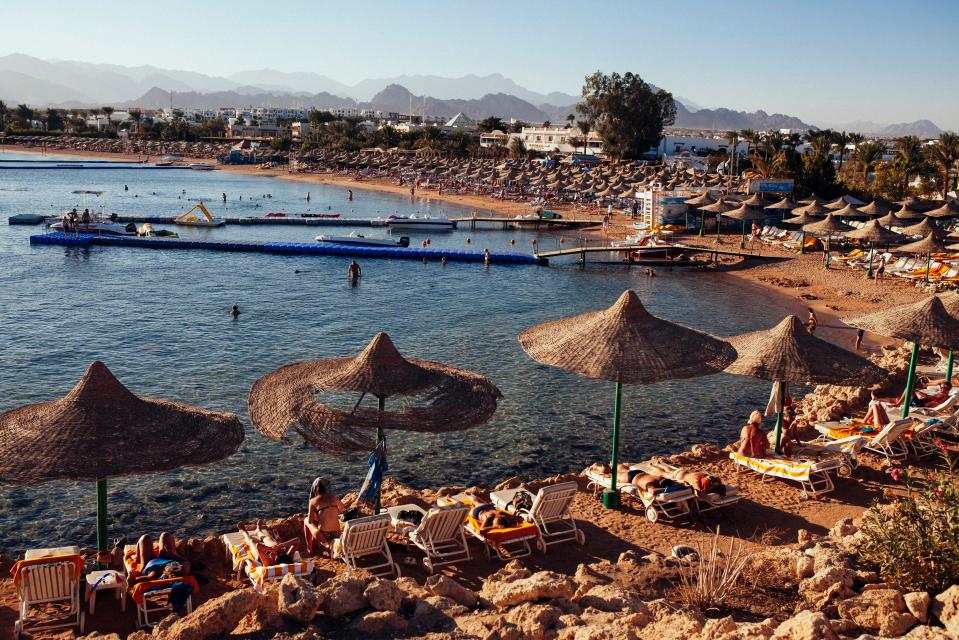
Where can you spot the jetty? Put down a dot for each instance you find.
(281, 248)
(533, 223)
(241, 220)
(582, 250)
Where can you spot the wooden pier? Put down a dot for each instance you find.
(533, 223)
(582, 250)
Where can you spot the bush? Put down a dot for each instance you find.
(915, 540)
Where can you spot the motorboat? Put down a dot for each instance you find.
(383, 221)
(147, 231)
(95, 224)
(359, 239)
(198, 216)
(166, 161)
(202, 166)
(421, 222)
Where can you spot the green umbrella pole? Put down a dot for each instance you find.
(702, 225)
(871, 247)
(828, 248)
(909, 380)
(379, 436)
(718, 216)
(742, 241)
(611, 497)
(779, 415)
(949, 368)
(928, 264)
(101, 521)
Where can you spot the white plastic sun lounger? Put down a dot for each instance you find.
(440, 535)
(44, 586)
(704, 501)
(366, 538)
(549, 511)
(845, 449)
(668, 505)
(888, 442)
(812, 475)
(245, 561)
(508, 543)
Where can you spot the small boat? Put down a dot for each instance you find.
(95, 225)
(319, 215)
(198, 216)
(359, 239)
(166, 161)
(382, 221)
(421, 222)
(201, 166)
(26, 218)
(147, 231)
(275, 214)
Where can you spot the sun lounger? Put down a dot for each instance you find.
(887, 442)
(549, 511)
(245, 560)
(508, 543)
(845, 449)
(44, 586)
(669, 505)
(704, 501)
(366, 538)
(811, 474)
(151, 597)
(439, 535)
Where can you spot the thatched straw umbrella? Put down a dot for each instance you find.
(755, 201)
(875, 233)
(700, 200)
(745, 213)
(719, 207)
(925, 322)
(852, 213)
(876, 208)
(831, 225)
(947, 210)
(789, 353)
(441, 398)
(625, 344)
(928, 245)
(101, 430)
(908, 213)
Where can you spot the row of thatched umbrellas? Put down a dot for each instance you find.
(101, 430)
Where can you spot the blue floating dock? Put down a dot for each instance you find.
(281, 248)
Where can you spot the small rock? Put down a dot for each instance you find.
(450, 607)
(384, 595)
(843, 625)
(805, 567)
(802, 535)
(945, 609)
(609, 597)
(343, 595)
(534, 620)
(843, 527)
(917, 602)
(542, 585)
(896, 624)
(380, 624)
(805, 625)
(297, 599)
(872, 609)
(214, 617)
(426, 617)
(447, 587)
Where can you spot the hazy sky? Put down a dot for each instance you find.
(822, 60)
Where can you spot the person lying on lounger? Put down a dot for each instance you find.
(753, 441)
(700, 482)
(268, 550)
(163, 562)
(921, 398)
(489, 517)
(648, 482)
(322, 523)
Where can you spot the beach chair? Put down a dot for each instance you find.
(669, 505)
(508, 543)
(151, 597)
(246, 561)
(811, 474)
(48, 590)
(887, 442)
(549, 511)
(366, 538)
(440, 535)
(703, 501)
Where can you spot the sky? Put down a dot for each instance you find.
(826, 61)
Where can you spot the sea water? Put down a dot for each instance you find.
(160, 320)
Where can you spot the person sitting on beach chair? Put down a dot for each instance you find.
(753, 441)
(269, 551)
(490, 517)
(158, 562)
(699, 481)
(322, 524)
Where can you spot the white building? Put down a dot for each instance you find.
(494, 138)
(674, 145)
(556, 139)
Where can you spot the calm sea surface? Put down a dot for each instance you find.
(160, 321)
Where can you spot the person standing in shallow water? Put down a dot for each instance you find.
(235, 312)
(349, 195)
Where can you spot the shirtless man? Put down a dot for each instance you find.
(648, 482)
(700, 482)
(267, 548)
(322, 524)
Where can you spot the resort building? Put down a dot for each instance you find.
(556, 139)
(494, 138)
(460, 121)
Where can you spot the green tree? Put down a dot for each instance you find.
(24, 116)
(570, 118)
(908, 160)
(732, 138)
(3, 114)
(491, 123)
(517, 126)
(547, 124)
(54, 120)
(136, 116)
(943, 157)
(628, 115)
(108, 111)
(867, 154)
(517, 149)
(841, 139)
(584, 128)
(749, 136)
(281, 143)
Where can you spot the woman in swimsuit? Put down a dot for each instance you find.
(489, 517)
(322, 524)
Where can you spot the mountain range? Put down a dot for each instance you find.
(65, 83)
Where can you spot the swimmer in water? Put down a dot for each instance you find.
(350, 196)
(235, 311)
(354, 271)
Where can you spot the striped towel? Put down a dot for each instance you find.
(260, 575)
(777, 466)
(240, 554)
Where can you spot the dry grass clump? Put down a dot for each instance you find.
(712, 576)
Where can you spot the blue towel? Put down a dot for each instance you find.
(374, 477)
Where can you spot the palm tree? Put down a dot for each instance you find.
(25, 115)
(3, 114)
(569, 121)
(547, 124)
(732, 137)
(584, 128)
(868, 154)
(820, 140)
(943, 156)
(748, 135)
(908, 158)
(841, 139)
(136, 115)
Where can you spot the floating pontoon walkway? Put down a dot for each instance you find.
(281, 248)
(526, 223)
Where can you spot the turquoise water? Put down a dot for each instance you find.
(160, 321)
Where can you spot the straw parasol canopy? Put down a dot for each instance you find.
(925, 322)
(755, 201)
(947, 210)
(815, 209)
(876, 208)
(702, 199)
(908, 213)
(441, 398)
(102, 430)
(788, 352)
(929, 244)
(802, 219)
(922, 228)
(891, 220)
(852, 212)
(625, 343)
(874, 232)
(785, 203)
(720, 206)
(745, 213)
(830, 225)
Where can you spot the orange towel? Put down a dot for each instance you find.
(18, 568)
(139, 590)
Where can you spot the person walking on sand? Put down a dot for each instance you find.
(880, 271)
(812, 322)
(859, 334)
